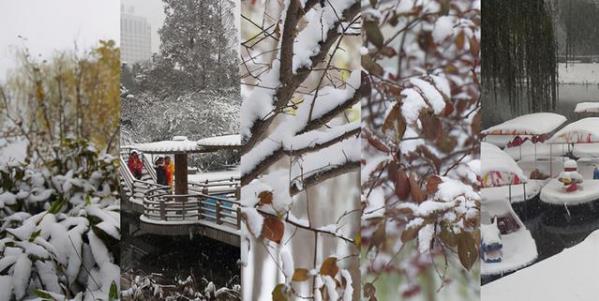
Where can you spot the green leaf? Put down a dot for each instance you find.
(56, 206)
(34, 235)
(44, 295)
(113, 294)
(279, 293)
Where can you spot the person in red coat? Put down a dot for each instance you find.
(135, 165)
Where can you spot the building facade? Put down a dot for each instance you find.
(136, 37)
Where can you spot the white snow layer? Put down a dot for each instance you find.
(587, 107)
(529, 124)
(319, 21)
(494, 159)
(569, 275)
(582, 131)
(555, 193)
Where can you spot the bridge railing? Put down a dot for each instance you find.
(160, 205)
(134, 184)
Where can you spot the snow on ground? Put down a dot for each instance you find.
(554, 193)
(570, 275)
(12, 151)
(588, 151)
(579, 73)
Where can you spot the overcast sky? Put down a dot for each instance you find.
(49, 26)
(153, 11)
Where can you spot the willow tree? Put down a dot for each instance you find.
(519, 53)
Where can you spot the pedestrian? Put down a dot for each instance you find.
(135, 164)
(169, 169)
(596, 173)
(160, 174)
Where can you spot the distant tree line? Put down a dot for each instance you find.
(67, 96)
(198, 50)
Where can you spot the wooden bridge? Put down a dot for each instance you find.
(210, 208)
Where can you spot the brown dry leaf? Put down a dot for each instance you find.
(371, 66)
(460, 40)
(448, 237)
(402, 184)
(417, 194)
(273, 229)
(300, 275)
(392, 117)
(329, 267)
(279, 293)
(432, 184)
(373, 33)
(369, 291)
(411, 233)
(467, 249)
(474, 46)
(265, 197)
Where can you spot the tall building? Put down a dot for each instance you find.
(136, 37)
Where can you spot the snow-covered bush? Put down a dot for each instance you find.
(155, 287)
(420, 142)
(60, 232)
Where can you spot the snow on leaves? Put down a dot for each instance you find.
(300, 129)
(61, 242)
(420, 137)
(331, 282)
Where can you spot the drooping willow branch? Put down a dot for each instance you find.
(519, 53)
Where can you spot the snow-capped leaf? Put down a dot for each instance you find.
(265, 197)
(273, 229)
(329, 267)
(467, 249)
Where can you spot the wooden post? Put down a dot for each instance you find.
(218, 210)
(180, 174)
(162, 210)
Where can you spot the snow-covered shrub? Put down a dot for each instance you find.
(420, 142)
(154, 287)
(60, 232)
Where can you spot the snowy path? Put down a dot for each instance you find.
(570, 275)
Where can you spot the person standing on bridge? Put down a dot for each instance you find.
(169, 169)
(135, 165)
(160, 171)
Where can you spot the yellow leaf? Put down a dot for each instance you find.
(329, 267)
(300, 275)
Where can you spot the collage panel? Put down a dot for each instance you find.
(300, 126)
(420, 150)
(59, 128)
(540, 150)
(179, 154)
